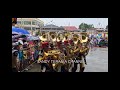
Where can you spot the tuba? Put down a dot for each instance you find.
(52, 36)
(43, 37)
(84, 38)
(60, 37)
(65, 36)
(75, 38)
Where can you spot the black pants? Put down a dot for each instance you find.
(63, 69)
(75, 67)
(75, 64)
(48, 68)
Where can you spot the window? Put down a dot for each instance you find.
(33, 23)
(27, 22)
(18, 22)
(27, 28)
(33, 28)
(38, 23)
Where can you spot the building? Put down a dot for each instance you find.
(70, 28)
(29, 23)
(91, 31)
(51, 28)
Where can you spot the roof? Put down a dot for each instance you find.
(50, 26)
(70, 28)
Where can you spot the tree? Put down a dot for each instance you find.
(85, 26)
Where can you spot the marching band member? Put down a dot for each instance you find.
(65, 44)
(85, 47)
(83, 51)
(77, 55)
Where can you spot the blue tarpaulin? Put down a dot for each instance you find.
(19, 30)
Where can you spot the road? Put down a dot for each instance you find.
(97, 61)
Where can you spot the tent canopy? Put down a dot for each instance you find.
(19, 31)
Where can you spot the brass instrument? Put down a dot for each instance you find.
(84, 38)
(84, 41)
(60, 37)
(52, 36)
(66, 36)
(83, 50)
(54, 54)
(25, 54)
(75, 38)
(43, 37)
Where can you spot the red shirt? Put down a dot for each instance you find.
(65, 42)
(70, 41)
(44, 44)
(58, 44)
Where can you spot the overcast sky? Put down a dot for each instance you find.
(76, 21)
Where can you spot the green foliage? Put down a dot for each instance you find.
(85, 26)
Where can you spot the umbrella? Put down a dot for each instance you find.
(15, 36)
(15, 33)
(19, 31)
(19, 36)
(30, 38)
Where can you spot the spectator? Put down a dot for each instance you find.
(15, 67)
(20, 53)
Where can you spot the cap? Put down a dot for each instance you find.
(20, 42)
